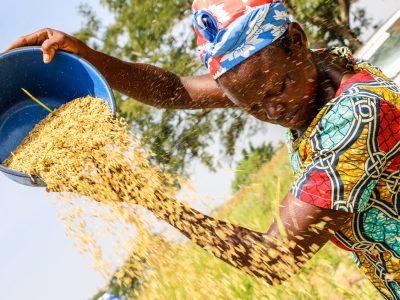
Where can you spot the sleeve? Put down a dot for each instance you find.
(347, 154)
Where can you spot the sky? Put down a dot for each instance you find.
(37, 260)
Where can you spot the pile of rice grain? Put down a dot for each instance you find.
(82, 149)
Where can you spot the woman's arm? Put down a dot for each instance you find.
(158, 87)
(146, 83)
(298, 232)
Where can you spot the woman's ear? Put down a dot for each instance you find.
(298, 38)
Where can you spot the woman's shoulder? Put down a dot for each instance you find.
(362, 96)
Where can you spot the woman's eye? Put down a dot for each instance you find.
(277, 88)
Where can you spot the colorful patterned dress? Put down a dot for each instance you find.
(348, 160)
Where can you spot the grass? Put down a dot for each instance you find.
(187, 272)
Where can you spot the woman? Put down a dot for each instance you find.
(343, 123)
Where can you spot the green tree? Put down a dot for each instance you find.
(253, 159)
(331, 22)
(127, 280)
(160, 33)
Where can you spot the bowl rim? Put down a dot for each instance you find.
(14, 173)
(113, 105)
(112, 102)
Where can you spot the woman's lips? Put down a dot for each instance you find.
(291, 115)
(290, 119)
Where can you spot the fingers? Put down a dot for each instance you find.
(49, 48)
(59, 40)
(33, 39)
(50, 41)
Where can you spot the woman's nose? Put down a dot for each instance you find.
(276, 111)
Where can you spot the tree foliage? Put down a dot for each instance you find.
(253, 159)
(127, 281)
(331, 22)
(160, 33)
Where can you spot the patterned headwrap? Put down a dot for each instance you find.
(230, 31)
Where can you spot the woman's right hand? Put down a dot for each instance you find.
(51, 40)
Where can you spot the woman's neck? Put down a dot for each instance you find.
(332, 72)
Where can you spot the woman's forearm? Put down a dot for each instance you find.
(147, 83)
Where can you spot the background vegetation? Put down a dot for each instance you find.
(253, 159)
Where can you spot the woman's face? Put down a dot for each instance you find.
(275, 86)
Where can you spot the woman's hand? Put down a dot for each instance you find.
(51, 40)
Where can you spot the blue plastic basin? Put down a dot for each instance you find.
(66, 78)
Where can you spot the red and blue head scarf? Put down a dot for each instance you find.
(230, 31)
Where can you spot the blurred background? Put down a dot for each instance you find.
(37, 260)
